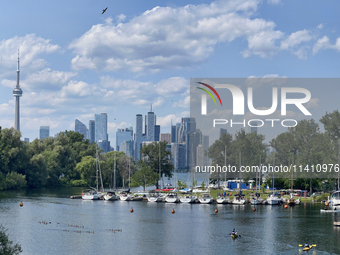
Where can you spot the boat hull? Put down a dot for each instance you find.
(205, 200)
(187, 199)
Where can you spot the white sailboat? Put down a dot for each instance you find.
(94, 194)
(274, 199)
(172, 198)
(188, 198)
(154, 196)
(257, 200)
(111, 195)
(205, 198)
(223, 200)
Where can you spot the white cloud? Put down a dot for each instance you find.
(320, 26)
(296, 38)
(173, 37)
(274, 1)
(78, 88)
(322, 43)
(30, 46)
(172, 86)
(185, 103)
(174, 118)
(158, 102)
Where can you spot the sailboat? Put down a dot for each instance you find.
(126, 196)
(239, 198)
(273, 199)
(111, 195)
(257, 200)
(94, 194)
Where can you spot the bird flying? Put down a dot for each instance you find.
(104, 10)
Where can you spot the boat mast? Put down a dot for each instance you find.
(114, 173)
(129, 171)
(273, 168)
(159, 165)
(97, 167)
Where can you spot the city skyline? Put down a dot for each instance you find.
(155, 50)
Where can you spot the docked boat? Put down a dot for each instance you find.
(274, 199)
(205, 199)
(110, 196)
(126, 197)
(89, 194)
(154, 196)
(223, 200)
(256, 201)
(335, 199)
(188, 198)
(172, 198)
(239, 199)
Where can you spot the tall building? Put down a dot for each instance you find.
(17, 93)
(254, 125)
(157, 132)
(91, 133)
(104, 145)
(185, 135)
(80, 128)
(223, 131)
(44, 132)
(127, 147)
(165, 137)
(173, 134)
(150, 123)
(101, 127)
(26, 140)
(138, 136)
(123, 135)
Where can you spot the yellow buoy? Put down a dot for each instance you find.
(131, 210)
(216, 210)
(254, 209)
(326, 204)
(286, 206)
(173, 211)
(21, 204)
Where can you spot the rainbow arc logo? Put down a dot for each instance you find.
(209, 93)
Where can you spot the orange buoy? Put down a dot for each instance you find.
(21, 204)
(326, 204)
(173, 211)
(131, 210)
(254, 209)
(286, 206)
(216, 210)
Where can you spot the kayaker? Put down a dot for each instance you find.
(234, 232)
(306, 245)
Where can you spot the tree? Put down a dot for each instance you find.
(156, 156)
(331, 122)
(6, 245)
(144, 177)
(181, 185)
(126, 164)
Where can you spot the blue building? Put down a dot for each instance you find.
(127, 147)
(80, 128)
(44, 132)
(91, 133)
(123, 135)
(101, 127)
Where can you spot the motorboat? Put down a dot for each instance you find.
(256, 201)
(110, 196)
(239, 199)
(274, 199)
(172, 198)
(335, 199)
(90, 194)
(188, 198)
(126, 197)
(223, 200)
(205, 198)
(154, 196)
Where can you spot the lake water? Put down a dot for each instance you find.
(153, 229)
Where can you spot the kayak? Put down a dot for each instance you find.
(233, 236)
(308, 248)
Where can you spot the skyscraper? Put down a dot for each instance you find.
(101, 127)
(91, 131)
(157, 132)
(17, 93)
(80, 128)
(127, 147)
(44, 132)
(165, 137)
(123, 135)
(150, 122)
(138, 136)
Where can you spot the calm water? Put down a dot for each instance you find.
(152, 229)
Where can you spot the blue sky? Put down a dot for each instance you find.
(76, 62)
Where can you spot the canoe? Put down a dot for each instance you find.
(307, 248)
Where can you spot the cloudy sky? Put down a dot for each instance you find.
(76, 61)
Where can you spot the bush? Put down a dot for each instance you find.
(322, 197)
(79, 183)
(14, 180)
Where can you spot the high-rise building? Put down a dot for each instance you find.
(26, 140)
(253, 126)
(104, 145)
(44, 132)
(80, 128)
(138, 136)
(165, 137)
(185, 133)
(223, 131)
(17, 93)
(127, 147)
(157, 132)
(92, 132)
(173, 134)
(123, 135)
(101, 127)
(150, 123)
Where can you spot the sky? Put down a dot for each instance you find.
(76, 62)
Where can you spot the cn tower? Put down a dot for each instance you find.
(17, 93)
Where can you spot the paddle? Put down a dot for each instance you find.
(310, 244)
